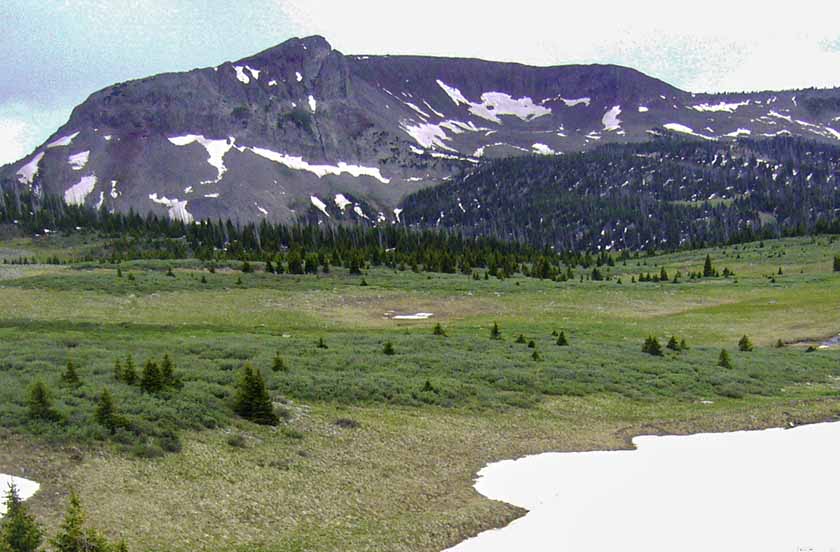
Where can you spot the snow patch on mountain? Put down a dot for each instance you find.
(610, 119)
(77, 193)
(216, 150)
(79, 160)
(342, 202)
(298, 76)
(27, 173)
(63, 141)
(242, 75)
(494, 104)
(722, 106)
(177, 208)
(397, 213)
(568, 102)
(114, 193)
(543, 149)
(359, 212)
(313, 103)
(297, 163)
(740, 132)
(453, 93)
(320, 205)
(678, 127)
(643, 109)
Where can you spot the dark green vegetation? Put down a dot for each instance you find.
(148, 378)
(664, 194)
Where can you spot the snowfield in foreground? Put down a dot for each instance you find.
(772, 490)
(25, 489)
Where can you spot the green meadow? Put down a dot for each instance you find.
(378, 451)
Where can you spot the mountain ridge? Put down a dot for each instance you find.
(301, 129)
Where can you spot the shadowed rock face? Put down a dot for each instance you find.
(304, 130)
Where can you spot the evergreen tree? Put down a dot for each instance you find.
(106, 412)
(708, 269)
(520, 339)
(70, 376)
(683, 345)
(663, 275)
(252, 401)
(388, 349)
(532, 344)
(723, 360)
(129, 374)
(652, 346)
(278, 365)
(745, 345)
(169, 272)
(73, 536)
(438, 330)
(40, 404)
(561, 339)
(151, 381)
(495, 333)
(536, 356)
(321, 343)
(167, 373)
(673, 344)
(837, 263)
(780, 344)
(19, 532)
(118, 370)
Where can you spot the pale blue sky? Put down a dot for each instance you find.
(54, 53)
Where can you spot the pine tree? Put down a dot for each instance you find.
(19, 532)
(495, 333)
(129, 374)
(40, 405)
(724, 360)
(652, 346)
(438, 330)
(169, 272)
(73, 536)
(663, 275)
(536, 356)
(321, 343)
(118, 370)
(151, 381)
(673, 344)
(683, 345)
(388, 349)
(252, 401)
(70, 376)
(520, 339)
(532, 344)
(119, 272)
(106, 412)
(745, 345)
(561, 340)
(837, 263)
(708, 269)
(780, 344)
(203, 279)
(167, 373)
(278, 365)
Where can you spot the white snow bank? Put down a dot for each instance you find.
(722, 106)
(397, 213)
(177, 208)
(216, 151)
(643, 109)
(677, 127)
(418, 316)
(297, 163)
(569, 102)
(610, 119)
(431, 135)
(313, 104)
(320, 205)
(541, 149)
(494, 104)
(242, 75)
(298, 76)
(342, 202)
(25, 489)
(63, 141)
(27, 173)
(774, 490)
(77, 193)
(79, 160)
(740, 132)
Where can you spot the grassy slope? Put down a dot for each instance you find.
(401, 481)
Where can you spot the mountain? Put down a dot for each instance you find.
(302, 130)
(666, 193)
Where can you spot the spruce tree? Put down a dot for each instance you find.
(532, 344)
(151, 381)
(673, 344)
(561, 340)
(252, 401)
(683, 345)
(745, 345)
(106, 412)
(129, 374)
(19, 532)
(388, 349)
(536, 356)
(118, 370)
(780, 344)
(321, 343)
(724, 360)
(708, 269)
(40, 405)
(70, 376)
(837, 263)
(167, 373)
(652, 346)
(73, 536)
(278, 365)
(495, 333)
(520, 339)
(663, 275)
(438, 330)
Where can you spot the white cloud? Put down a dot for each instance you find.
(715, 45)
(13, 140)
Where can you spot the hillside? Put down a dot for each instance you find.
(303, 130)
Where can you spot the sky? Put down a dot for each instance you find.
(54, 53)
